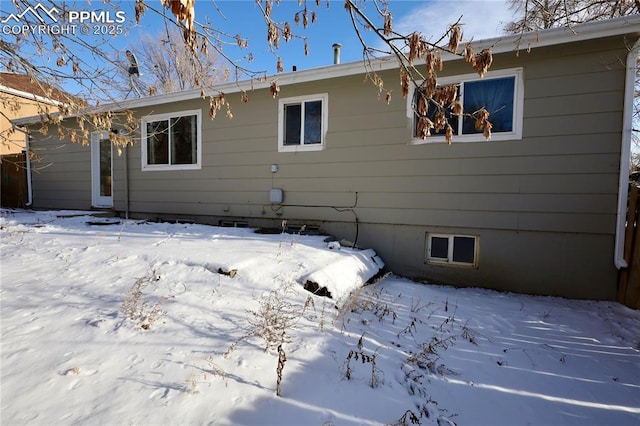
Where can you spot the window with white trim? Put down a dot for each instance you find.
(172, 141)
(302, 123)
(500, 92)
(452, 249)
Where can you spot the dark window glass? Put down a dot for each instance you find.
(440, 247)
(292, 123)
(464, 249)
(313, 122)
(173, 141)
(158, 142)
(184, 140)
(496, 96)
(105, 168)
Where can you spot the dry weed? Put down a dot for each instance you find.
(144, 312)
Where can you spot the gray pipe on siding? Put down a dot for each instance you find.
(126, 182)
(28, 163)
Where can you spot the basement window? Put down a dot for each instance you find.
(452, 249)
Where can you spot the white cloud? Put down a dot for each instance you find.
(481, 18)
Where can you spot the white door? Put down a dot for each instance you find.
(101, 170)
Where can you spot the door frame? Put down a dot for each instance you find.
(98, 200)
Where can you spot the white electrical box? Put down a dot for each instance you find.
(276, 196)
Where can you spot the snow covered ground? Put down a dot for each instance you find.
(128, 322)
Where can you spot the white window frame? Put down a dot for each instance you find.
(324, 98)
(168, 116)
(97, 200)
(518, 107)
(449, 259)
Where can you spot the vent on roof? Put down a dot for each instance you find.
(336, 53)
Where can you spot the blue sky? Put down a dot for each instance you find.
(482, 19)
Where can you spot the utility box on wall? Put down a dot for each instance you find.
(276, 196)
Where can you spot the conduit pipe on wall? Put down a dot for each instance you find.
(625, 154)
(126, 181)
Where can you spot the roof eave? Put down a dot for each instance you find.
(599, 29)
(30, 96)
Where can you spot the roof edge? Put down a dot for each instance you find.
(30, 96)
(629, 24)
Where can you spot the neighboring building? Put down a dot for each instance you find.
(21, 96)
(538, 209)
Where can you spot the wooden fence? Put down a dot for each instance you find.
(629, 280)
(13, 180)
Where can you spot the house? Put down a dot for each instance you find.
(22, 96)
(540, 208)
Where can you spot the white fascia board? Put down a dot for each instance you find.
(30, 96)
(508, 43)
(294, 77)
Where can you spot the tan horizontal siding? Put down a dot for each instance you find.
(492, 184)
(573, 84)
(61, 172)
(508, 166)
(582, 124)
(382, 148)
(189, 196)
(554, 203)
(565, 165)
(59, 161)
(563, 105)
(567, 60)
(67, 184)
